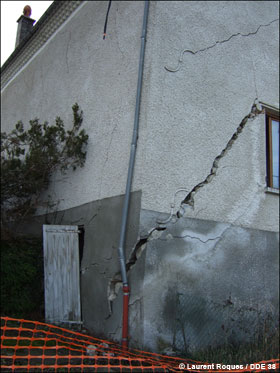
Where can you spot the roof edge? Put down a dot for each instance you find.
(55, 5)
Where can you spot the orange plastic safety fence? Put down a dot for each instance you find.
(31, 346)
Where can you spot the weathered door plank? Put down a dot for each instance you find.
(62, 274)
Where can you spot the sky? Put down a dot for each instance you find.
(10, 13)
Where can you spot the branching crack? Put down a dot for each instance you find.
(255, 111)
(170, 69)
(115, 282)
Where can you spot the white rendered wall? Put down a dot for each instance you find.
(187, 117)
(77, 65)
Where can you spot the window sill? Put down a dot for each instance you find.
(272, 190)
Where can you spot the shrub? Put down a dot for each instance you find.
(30, 157)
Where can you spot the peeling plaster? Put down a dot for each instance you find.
(115, 283)
(170, 69)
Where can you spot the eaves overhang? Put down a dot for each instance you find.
(51, 20)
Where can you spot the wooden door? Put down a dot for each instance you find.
(62, 274)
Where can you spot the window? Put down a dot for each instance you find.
(272, 141)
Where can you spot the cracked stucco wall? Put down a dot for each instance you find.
(188, 119)
(208, 277)
(77, 65)
(229, 58)
(188, 116)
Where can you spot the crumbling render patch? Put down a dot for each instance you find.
(115, 283)
(155, 233)
(173, 70)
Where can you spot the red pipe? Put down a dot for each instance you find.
(125, 317)
(129, 181)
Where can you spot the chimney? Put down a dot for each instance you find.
(25, 24)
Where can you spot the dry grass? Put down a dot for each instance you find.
(264, 346)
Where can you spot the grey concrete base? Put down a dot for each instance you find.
(101, 222)
(204, 284)
(194, 283)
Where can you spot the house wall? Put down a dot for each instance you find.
(188, 116)
(77, 65)
(100, 278)
(212, 275)
(202, 283)
(227, 235)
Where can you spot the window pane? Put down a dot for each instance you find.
(275, 153)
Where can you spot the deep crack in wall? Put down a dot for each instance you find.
(256, 109)
(115, 283)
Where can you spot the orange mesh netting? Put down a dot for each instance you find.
(31, 346)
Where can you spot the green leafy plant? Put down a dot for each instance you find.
(30, 157)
